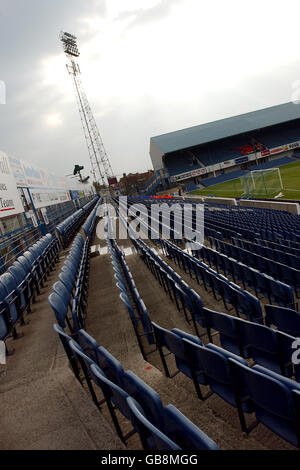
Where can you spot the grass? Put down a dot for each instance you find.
(290, 175)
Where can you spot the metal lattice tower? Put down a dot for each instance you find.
(98, 156)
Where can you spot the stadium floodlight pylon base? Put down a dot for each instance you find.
(262, 183)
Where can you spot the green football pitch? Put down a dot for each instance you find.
(290, 175)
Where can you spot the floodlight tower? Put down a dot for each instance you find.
(98, 156)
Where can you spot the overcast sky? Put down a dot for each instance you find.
(148, 67)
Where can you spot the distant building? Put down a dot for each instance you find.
(134, 183)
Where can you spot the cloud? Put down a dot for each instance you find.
(146, 70)
(144, 16)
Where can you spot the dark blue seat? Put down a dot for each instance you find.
(148, 398)
(280, 293)
(13, 298)
(111, 367)
(180, 433)
(67, 281)
(271, 396)
(151, 437)
(209, 366)
(60, 309)
(65, 340)
(85, 363)
(261, 342)
(88, 344)
(246, 304)
(116, 397)
(172, 341)
(285, 319)
(23, 282)
(226, 326)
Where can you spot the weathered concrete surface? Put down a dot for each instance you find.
(42, 406)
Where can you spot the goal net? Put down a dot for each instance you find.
(262, 183)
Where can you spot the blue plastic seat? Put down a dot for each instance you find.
(88, 344)
(110, 366)
(172, 341)
(148, 398)
(60, 309)
(271, 397)
(209, 366)
(261, 342)
(85, 363)
(22, 281)
(285, 319)
(115, 399)
(185, 434)
(151, 437)
(65, 340)
(12, 297)
(226, 326)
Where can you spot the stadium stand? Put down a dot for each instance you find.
(218, 151)
(243, 357)
(222, 178)
(272, 164)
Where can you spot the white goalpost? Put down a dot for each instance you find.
(262, 182)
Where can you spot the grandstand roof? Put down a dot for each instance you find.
(227, 127)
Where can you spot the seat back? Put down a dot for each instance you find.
(285, 319)
(226, 326)
(147, 398)
(59, 308)
(88, 344)
(151, 437)
(169, 340)
(182, 431)
(110, 390)
(110, 366)
(261, 342)
(270, 394)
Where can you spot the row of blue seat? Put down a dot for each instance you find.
(271, 351)
(290, 320)
(275, 280)
(250, 229)
(69, 226)
(159, 427)
(186, 299)
(287, 246)
(131, 298)
(267, 347)
(254, 278)
(274, 225)
(275, 290)
(249, 223)
(21, 283)
(69, 298)
(89, 225)
(274, 399)
(275, 254)
(243, 301)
